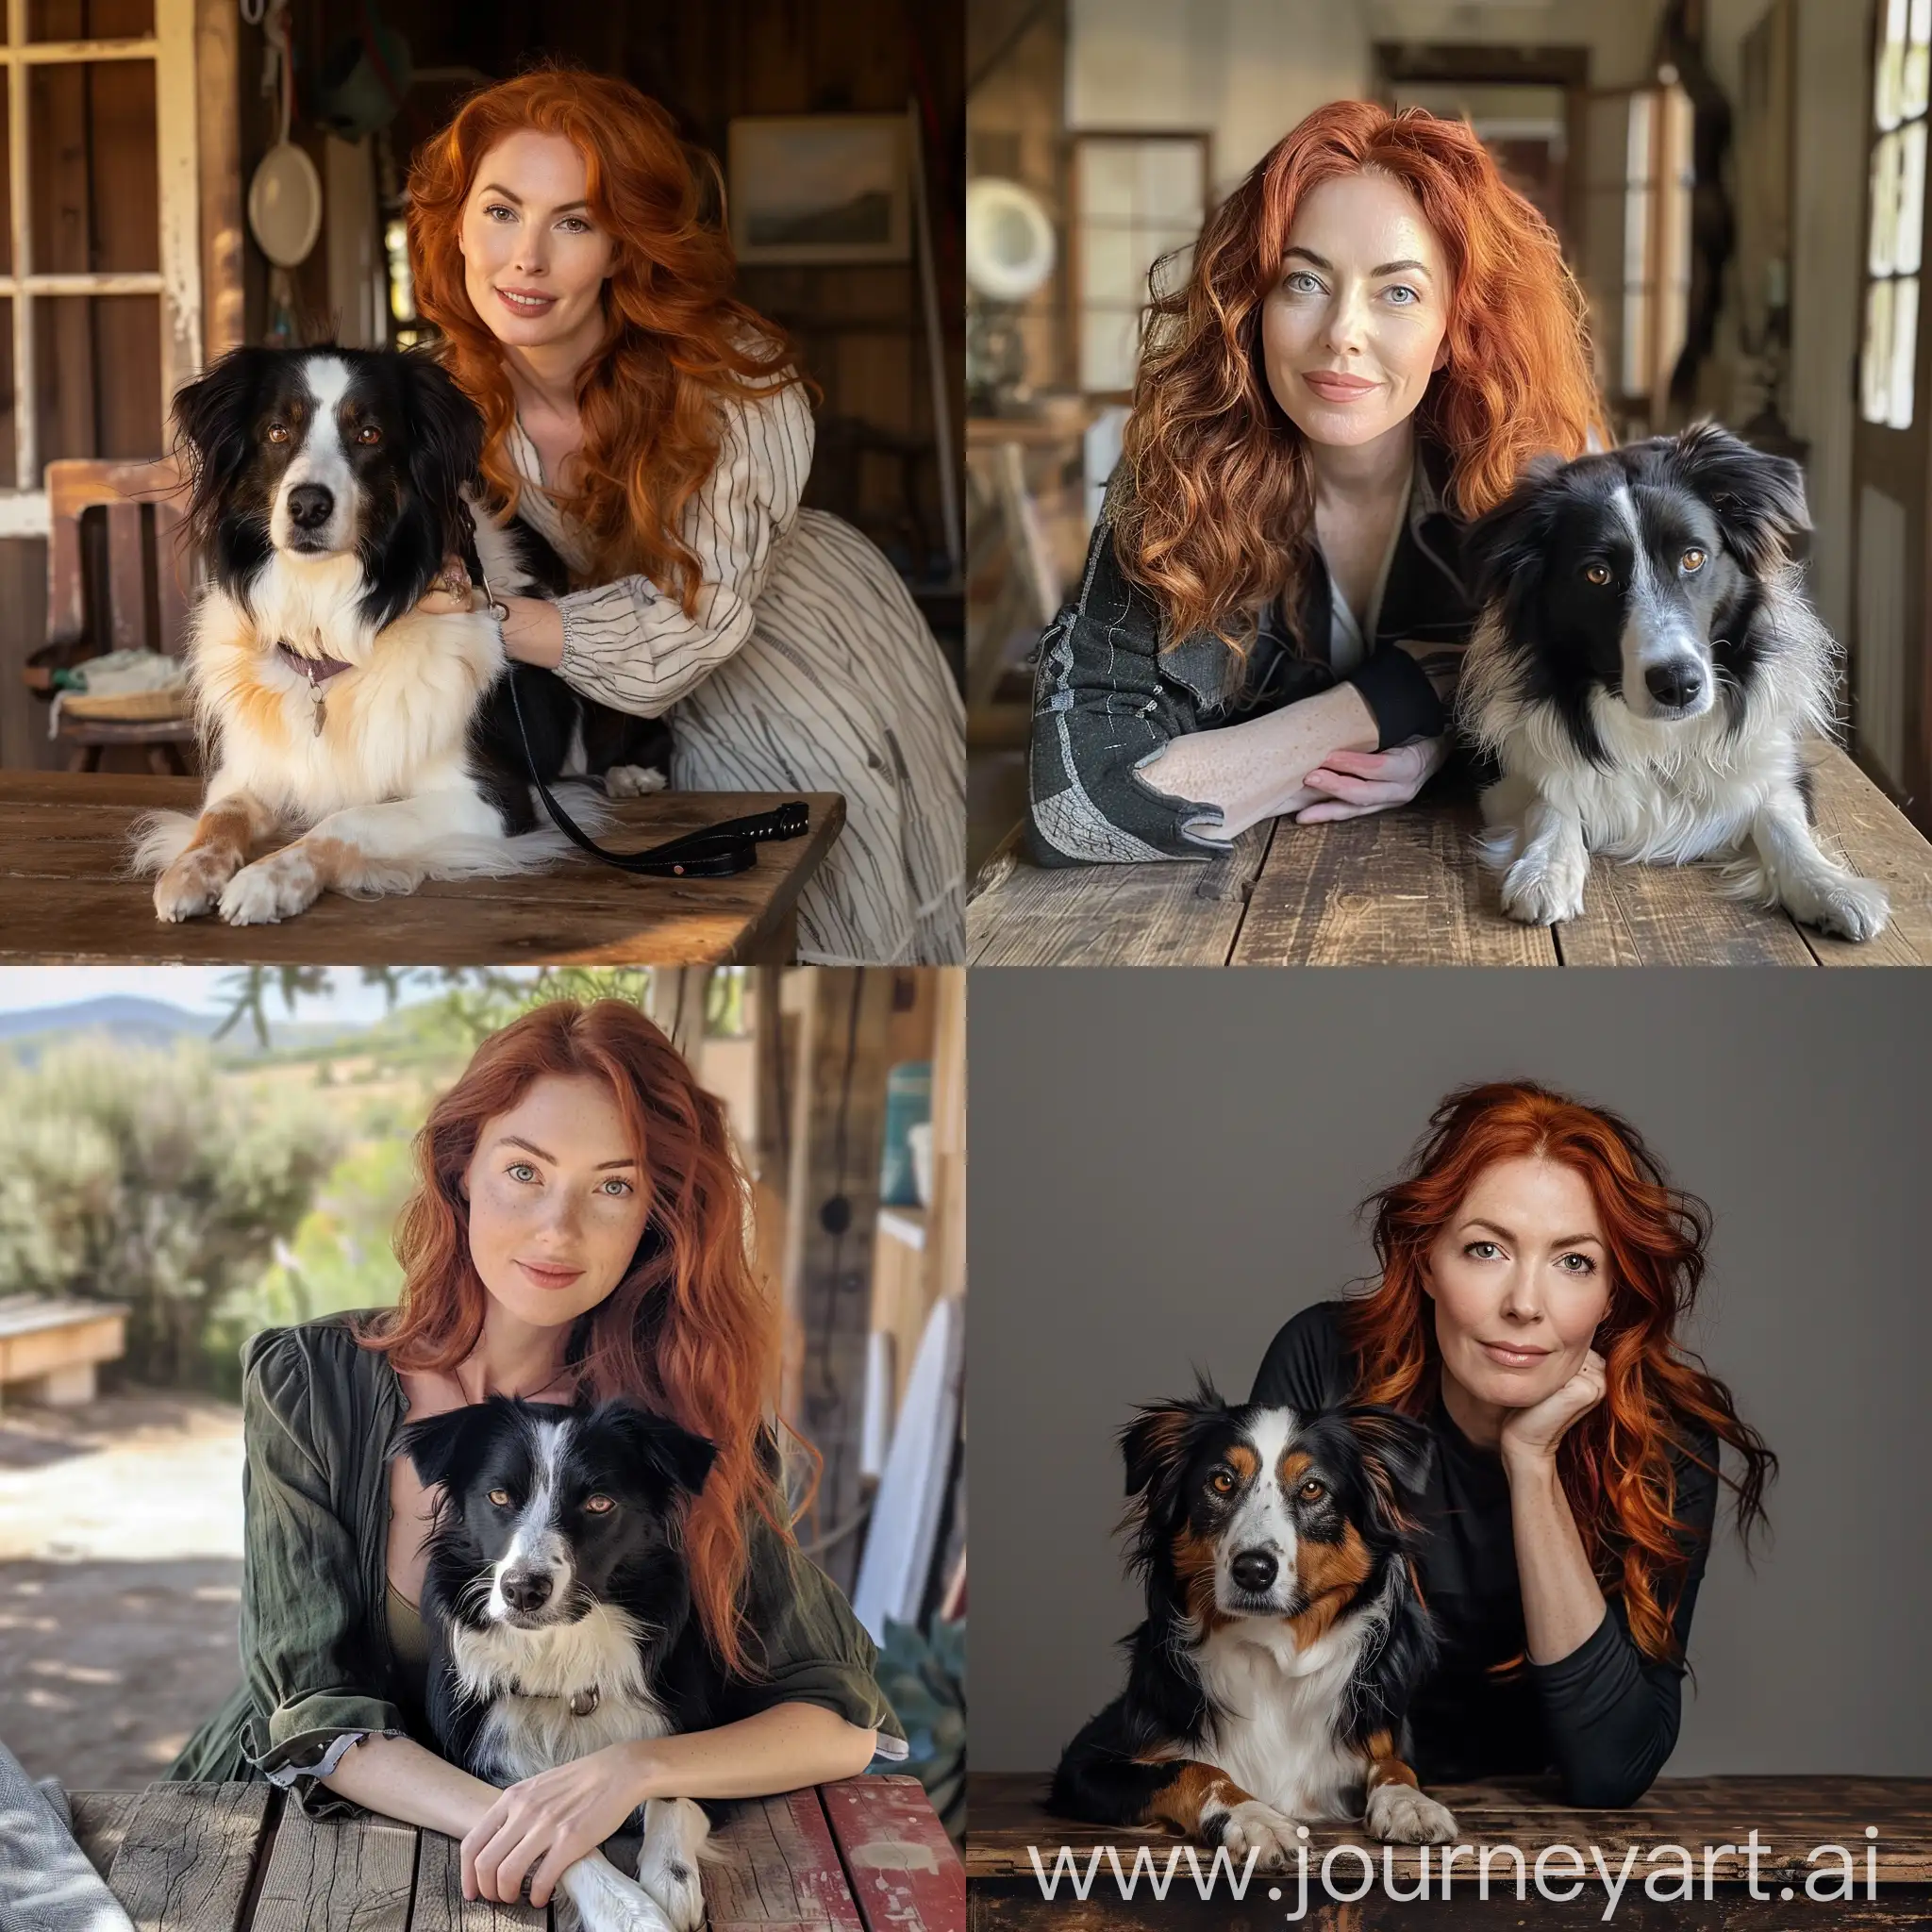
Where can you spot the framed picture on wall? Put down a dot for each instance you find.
(821, 188)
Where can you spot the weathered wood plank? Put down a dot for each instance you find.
(337, 1875)
(64, 895)
(1673, 915)
(1400, 888)
(441, 1906)
(187, 1854)
(1877, 839)
(772, 1864)
(100, 1823)
(906, 1876)
(1174, 912)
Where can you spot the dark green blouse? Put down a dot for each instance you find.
(319, 1665)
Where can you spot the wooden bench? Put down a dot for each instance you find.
(864, 1854)
(49, 1350)
(1008, 1824)
(1407, 888)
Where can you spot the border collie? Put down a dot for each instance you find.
(370, 747)
(1646, 672)
(1284, 1632)
(559, 1616)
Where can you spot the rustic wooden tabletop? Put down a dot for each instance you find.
(1407, 888)
(1794, 1817)
(67, 897)
(860, 1856)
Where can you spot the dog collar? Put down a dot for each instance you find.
(582, 1702)
(318, 671)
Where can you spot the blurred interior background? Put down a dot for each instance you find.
(191, 1155)
(179, 176)
(1739, 184)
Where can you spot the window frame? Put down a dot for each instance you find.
(177, 282)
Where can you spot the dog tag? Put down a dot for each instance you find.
(584, 1702)
(316, 692)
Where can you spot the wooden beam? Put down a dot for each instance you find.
(831, 1216)
(218, 135)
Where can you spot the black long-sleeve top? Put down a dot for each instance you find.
(1604, 1717)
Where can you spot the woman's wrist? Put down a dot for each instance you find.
(643, 1770)
(533, 631)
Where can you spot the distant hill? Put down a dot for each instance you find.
(148, 1022)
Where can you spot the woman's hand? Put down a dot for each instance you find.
(1354, 783)
(1531, 1435)
(544, 1826)
(450, 593)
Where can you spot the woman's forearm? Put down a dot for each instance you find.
(1562, 1605)
(780, 1749)
(401, 1780)
(1254, 771)
(533, 631)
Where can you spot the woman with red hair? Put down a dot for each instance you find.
(578, 1231)
(1537, 1270)
(1373, 338)
(656, 432)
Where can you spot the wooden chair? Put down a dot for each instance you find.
(131, 593)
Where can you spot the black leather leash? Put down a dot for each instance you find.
(716, 852)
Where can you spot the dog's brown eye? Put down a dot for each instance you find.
(1694, 560)
(599, 1506)
(1221, 1482)
(1312, 1491)
(1598, 574)
(368, 433)
(278, 432)
(501, 1498)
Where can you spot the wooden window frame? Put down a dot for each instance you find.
(177, 282)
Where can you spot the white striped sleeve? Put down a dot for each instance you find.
(628, 644)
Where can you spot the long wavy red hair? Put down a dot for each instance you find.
(688, 1329)
(1217, 494)
(677, 342)
(1614, 1460)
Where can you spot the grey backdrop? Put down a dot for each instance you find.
(1165, 1166)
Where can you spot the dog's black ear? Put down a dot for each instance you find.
(1503, 550)
(1156, 1445)
(679, 1459)
(1396, 1450)
(213, 414)
(1758, 499)
(441, 1444)
(446, 444)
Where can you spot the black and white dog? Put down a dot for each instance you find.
(559, 1609)
(1284, 1632)
(1647, 672)
(358, 743)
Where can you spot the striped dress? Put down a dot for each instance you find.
(807, 667)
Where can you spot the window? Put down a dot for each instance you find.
(1659, 176)
(1889, 352)
(79, 337)
(1136, 199)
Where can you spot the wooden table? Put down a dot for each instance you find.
(1407, 888)
(66, 896)
(860, 1856)
(1794, 1816)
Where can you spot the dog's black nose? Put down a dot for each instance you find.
(527, 1590)
(310, 506)
(1254, 1570)
(1675, 684)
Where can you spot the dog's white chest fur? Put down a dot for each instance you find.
(528, 1677)
(1274, 1707)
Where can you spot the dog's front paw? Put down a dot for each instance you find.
(1253, 1826)
(192, 885)
(1854, 909)
(604, 1900)
(633, 781)
(274, 888)
(675, 1830)
(1541, 892)
(1401, 1815)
